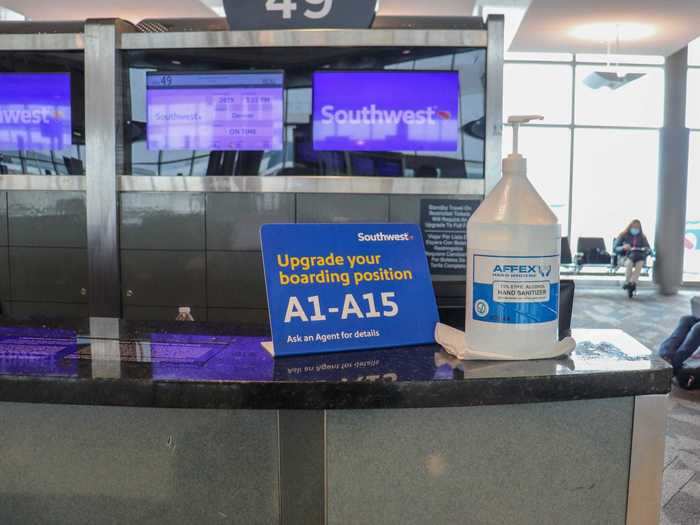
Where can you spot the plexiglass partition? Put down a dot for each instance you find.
(42, 106)
(299, 165)
(43, 225)
(188, 141)
(261, 111)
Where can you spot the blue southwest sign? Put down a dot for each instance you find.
(338, 287)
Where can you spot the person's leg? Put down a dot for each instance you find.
(636, 271)
(670, 345)
(629, 266)
(689, 345)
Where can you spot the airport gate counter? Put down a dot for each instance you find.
(182, 142)
(191, 422)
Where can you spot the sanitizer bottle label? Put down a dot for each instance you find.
(515, 290)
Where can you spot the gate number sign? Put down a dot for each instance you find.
(251, 15)
(287, 7)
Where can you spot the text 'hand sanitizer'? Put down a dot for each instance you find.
(513, 245)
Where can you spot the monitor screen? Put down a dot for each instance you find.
(223, 111)
(35, 111)
(386, 111)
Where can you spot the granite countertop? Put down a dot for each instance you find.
(194, 365)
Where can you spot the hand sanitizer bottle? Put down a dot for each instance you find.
(513, 250)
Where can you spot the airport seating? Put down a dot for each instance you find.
(566, 261)
(591, 251)
(565, 252)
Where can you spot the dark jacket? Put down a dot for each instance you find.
(635, 241)
(680, 349)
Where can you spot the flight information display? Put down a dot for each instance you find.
(224, 111)
(386, 111)
(35, 111)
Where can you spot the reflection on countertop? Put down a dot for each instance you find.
(200, 365)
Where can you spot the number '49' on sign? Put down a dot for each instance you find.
(288, 7)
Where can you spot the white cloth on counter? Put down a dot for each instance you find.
(454, 342)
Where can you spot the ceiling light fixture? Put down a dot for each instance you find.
(612, 76)
(610, 79)
(609, 31)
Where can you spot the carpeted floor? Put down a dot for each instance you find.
(650, 318)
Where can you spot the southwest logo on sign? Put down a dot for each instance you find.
(384, 237)
(372, 115)
(386, 111)
(28, 116)
(338, 287)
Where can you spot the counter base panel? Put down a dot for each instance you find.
(574, 462)
(84, 465)
(562, 462)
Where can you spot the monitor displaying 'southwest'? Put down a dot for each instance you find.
(386, 111)
(35, 111)
(222, 111)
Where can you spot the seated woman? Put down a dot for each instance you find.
(680, 346)
(632, 245)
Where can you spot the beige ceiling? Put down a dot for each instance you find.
(544, 27)
(137, 10)
(547, 22)
(132, 10)
(427, 7)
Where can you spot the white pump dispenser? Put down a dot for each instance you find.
(513, 245)
(515, 163)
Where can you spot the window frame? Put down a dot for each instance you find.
(573, 126)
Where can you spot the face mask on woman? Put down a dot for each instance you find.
(634, 231)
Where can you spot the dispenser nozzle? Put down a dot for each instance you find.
(515, 121)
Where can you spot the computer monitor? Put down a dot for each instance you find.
(386, 111)
(221, 111)
(35, 111)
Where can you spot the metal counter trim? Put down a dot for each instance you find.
(494, 101)
(302, 184)
(43, 182)
(42, 42)
(647, 460)
(305, 38)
